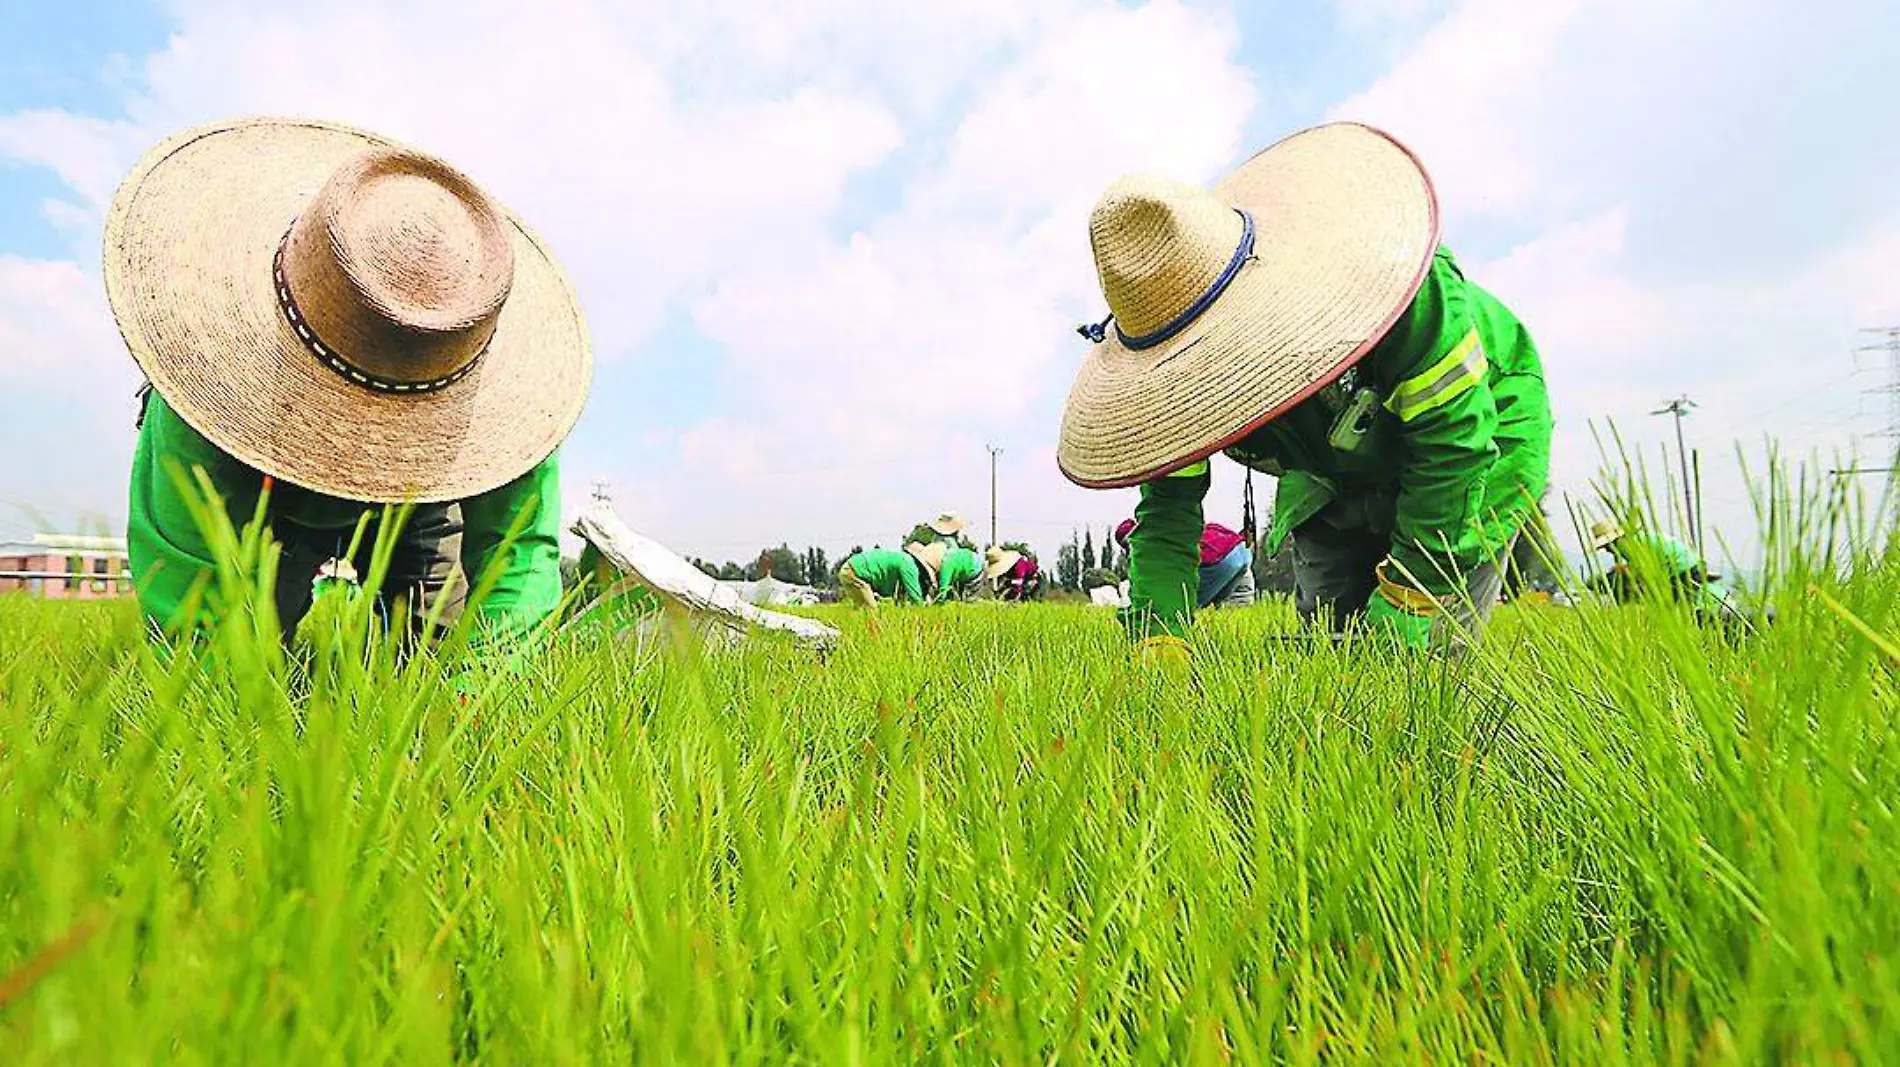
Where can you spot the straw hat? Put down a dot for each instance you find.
(344, 313)
(929, 556)
(999, 561)
(1605, 533)
(949, 524)
(1231, 306)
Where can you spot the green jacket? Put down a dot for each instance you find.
(169, 555)
(891, 574)
(1646, 560)
(1456, 452)
(960, 567)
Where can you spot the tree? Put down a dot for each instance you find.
(817, 568)
(1069, 567)
(1088, 550)
(922, 534)
(1114, 557)
(731, 572)
(781, 563)
(705, 566)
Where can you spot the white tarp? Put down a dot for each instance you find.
(770, 592)
(1109, 596)
(716, 609)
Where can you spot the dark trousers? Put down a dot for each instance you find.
(1336, 555)
(421, 567)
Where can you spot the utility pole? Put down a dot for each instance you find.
(994, 452)
(1892, 347)
(1679, 407)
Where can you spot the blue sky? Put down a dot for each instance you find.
(829, 250)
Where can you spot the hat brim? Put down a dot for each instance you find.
(929, 556)
(188, 254)
(1346, 223)
(1002, 564)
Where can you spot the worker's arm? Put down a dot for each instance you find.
(1164, 554)
(167, 548)
(1447, 419)
(527, 568)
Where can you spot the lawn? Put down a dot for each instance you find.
(969, 835)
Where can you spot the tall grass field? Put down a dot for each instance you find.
(979, 834)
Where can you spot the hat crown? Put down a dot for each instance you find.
(399, 266)
(1160, 245)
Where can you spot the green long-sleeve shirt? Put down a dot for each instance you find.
(1457, 452)
(169, 554)
(960, 567)
(891, 574)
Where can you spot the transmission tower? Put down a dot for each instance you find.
(1891, 346)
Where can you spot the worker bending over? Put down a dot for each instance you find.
(1303, 318)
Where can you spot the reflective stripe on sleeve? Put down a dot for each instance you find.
(1441, 383)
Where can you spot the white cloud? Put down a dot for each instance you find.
(700, 160)
(949, 319)
(68, 387)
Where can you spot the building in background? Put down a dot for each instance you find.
(65, 567)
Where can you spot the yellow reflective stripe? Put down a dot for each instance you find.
(1191, 470)
(1441, 383)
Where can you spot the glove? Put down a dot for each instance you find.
(1163, 650)
(1410, 630)
(1401, 612)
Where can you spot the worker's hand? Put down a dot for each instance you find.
(1165, 651)
(1400, 612)
(1407, 629)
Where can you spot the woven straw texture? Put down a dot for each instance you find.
(998, 561)
(1345, 224)
(399, 263)
(929, 556)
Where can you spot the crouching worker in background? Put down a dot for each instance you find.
(1226, 571)
(1012, 575)
(1303, 318)
(1650, 564)
(330, 322)
(920, 574)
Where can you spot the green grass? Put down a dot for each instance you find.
(978, 834)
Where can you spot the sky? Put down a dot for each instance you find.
(830, 250)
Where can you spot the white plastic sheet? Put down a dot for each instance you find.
(682, 586)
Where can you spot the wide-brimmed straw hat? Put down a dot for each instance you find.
(342, 312)
(949, 524)
(929, 556)
(1604, 533)
(1229, 307)
(999, 561)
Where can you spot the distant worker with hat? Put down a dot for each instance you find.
(1650, 564)
(1013, 575)
(329, 322)
(918, 574)
(947, 527)
(1226, 565)
(1303, 318)
(907, 576)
